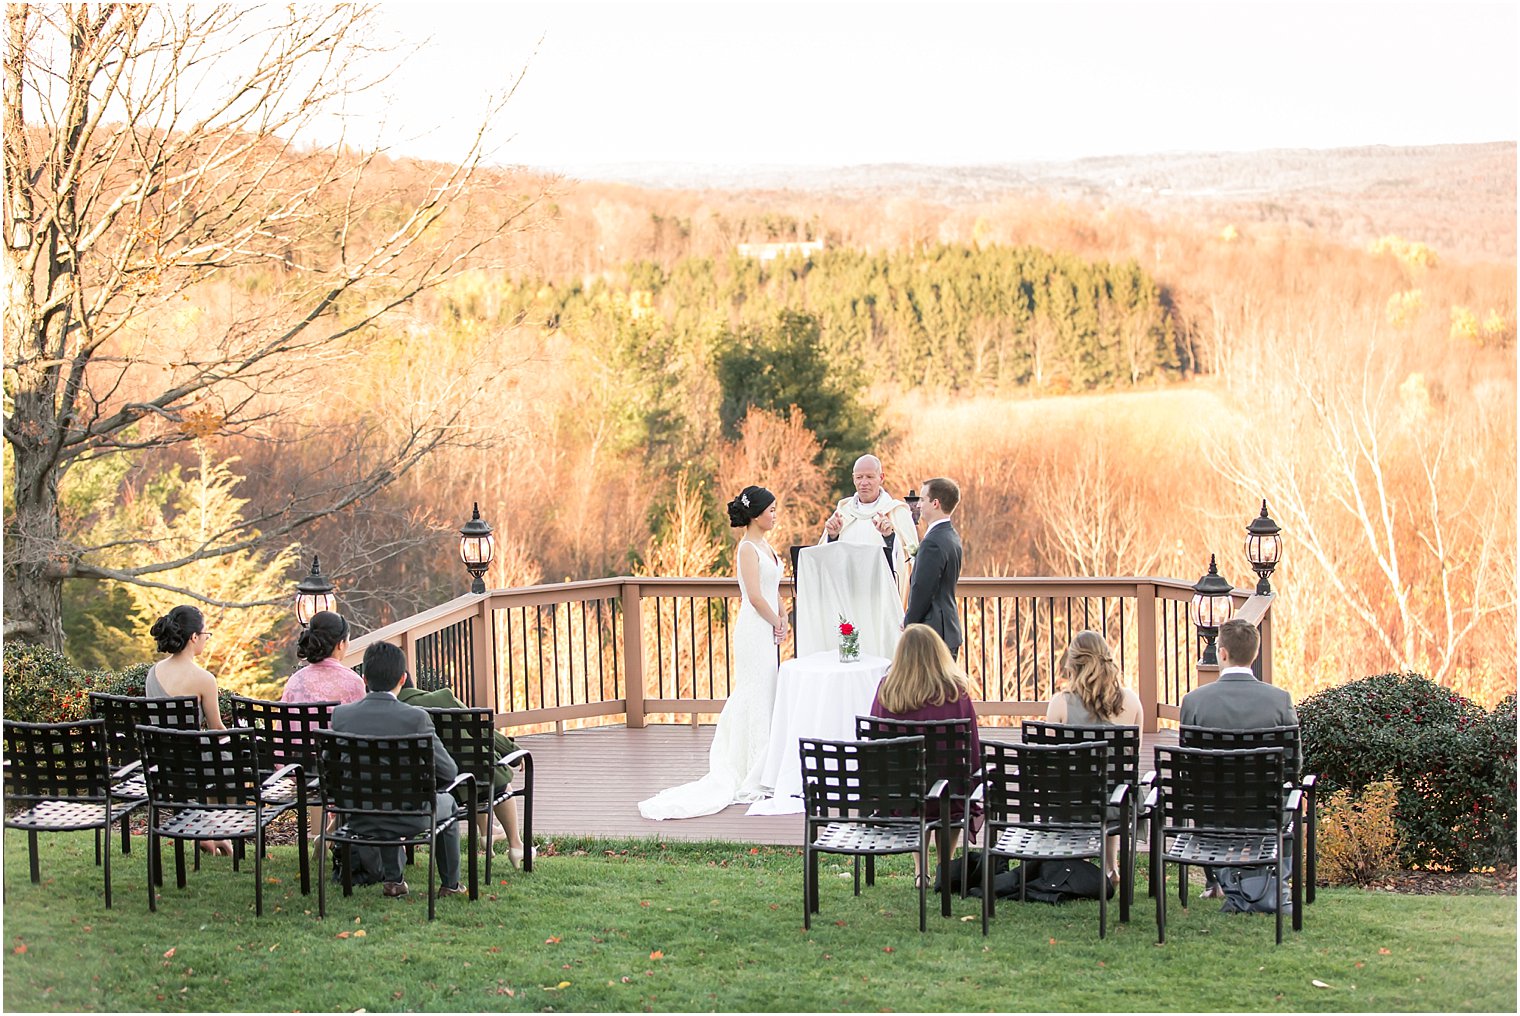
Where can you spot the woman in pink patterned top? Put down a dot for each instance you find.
(324, 678)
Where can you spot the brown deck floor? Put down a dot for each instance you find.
(589, 782)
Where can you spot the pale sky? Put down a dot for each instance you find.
(737, 83)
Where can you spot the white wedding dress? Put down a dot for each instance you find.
(737, 755)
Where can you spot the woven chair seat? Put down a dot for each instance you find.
(285, 791)
(63, 815)
(1211, 849)
(1050, 843)
(212, 823)
(134, 788)
(859, 839)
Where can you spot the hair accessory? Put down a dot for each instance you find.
(744, 500)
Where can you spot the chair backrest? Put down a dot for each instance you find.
(125, 713)
(947, 746)
(1219, 739)
(1227, 791)
(1046, 784)
(1123, 744)
(466, 736)
(884, 779)
(200, 766)
(370, 774)
(287, 731)
(52, 760)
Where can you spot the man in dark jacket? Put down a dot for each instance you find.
(380, 712)
(937, 564)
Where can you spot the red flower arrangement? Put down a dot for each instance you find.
(849, 641)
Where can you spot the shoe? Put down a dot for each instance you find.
(396, 888)
(515, 855)
(452, 890)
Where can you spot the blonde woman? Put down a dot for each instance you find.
(924, 684)
(1094, 697)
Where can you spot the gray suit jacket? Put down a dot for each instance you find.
(381, 713)
(1238, 701)
(931, 589)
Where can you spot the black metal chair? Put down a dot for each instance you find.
(1123, 775)
(391, 777)
(1289, 740)
(948, 756)
(123, 714)
(205, 785)
(57, 780)
(865, 798)
(286, 737)
(466, 735)
(1045, 802)
(1222, 808)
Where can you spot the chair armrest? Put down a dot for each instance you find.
(1294, 802)
(1152, 799)
(1120, 793)
(938, 791)
(1148, 780)
(459, 780)
(1308, 782)
(977, 793)
(284, 771)
(124, 771)
(513, 758)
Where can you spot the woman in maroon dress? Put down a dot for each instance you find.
(924, 683)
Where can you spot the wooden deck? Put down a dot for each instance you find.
(589, 782)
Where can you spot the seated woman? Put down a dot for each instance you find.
(183, 635)
(501, 744)
(324, 678)
(924, 683)
(1094, 696)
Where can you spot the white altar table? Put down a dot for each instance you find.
(816, 696)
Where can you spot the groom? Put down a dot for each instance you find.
(937, 566)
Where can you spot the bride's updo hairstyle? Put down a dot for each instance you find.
(322, 636)
(175, 629)
(747, 507)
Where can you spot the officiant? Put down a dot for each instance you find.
(874, 518)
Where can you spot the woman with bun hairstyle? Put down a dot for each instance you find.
(737, 755)
(324, 678)
(183, 635)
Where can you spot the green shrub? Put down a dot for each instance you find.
(1454, 763)
(42, 686)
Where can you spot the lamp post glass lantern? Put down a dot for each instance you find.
(1211, 607)
(476, 548)
(314, 593)
(1263, 548)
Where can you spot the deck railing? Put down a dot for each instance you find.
(635, 649)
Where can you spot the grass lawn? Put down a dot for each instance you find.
(633, 926)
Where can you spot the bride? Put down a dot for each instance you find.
(738, 748)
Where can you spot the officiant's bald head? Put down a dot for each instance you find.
(867, 478)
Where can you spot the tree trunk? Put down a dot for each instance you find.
(33, 576)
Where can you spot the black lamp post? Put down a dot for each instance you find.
(914, 505)
(476, 548)
(314, 593)
(1211, 608)
(1263, 548)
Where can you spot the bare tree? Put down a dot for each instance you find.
(1400, 497)
(1089, 509)
(154, 153)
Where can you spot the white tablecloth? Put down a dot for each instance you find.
(816, 696)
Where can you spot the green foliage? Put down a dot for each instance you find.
(43, 686)
(101, 630)
(784, 365)
(1455, 764)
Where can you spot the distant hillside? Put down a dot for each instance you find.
(1460, 199)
